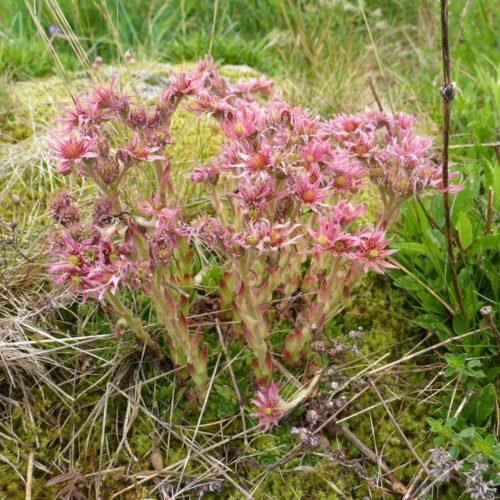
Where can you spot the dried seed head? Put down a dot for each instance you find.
(318, 346)
(334, 386)
(15, 199)
(312, 417)
(306, 437)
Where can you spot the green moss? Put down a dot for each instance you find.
(300, 482)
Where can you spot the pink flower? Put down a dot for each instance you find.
(75, 117)
(156, 208)
(208, 174)
(208, 103)
(71, 152)
(310, 194)
(248, 87)
(315, 152)
(265, 236)
(344, 128)
(344, 213)
(137, 151)
(371, 251)
(104, 277)
(346, 174)
(71, 258)
(209, 230)
(301, 123)
(103, 97)
(182, 85)
(245, 122)
(331, 238)
(276, 236)
(362, 144)
(430, 176)
(254, 193)
(84, 119)
(257, 160)
(409, 151)
(269, 406)
(89, 266)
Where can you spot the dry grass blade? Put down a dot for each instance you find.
(424, 351)
(398, 427)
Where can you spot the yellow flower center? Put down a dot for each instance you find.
(89, 255)
(258, 161)
(373, 254)
(323, 240)
(340, 181)
(339, 246)
(74, 260)
(239, 130)
(252, 239)
(72, 151)
(308, 195)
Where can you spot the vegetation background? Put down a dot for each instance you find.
(324, 53)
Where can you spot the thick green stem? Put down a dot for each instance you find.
(327, 295)
(184, 349)
(255, 327)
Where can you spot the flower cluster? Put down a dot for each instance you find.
(284, 221)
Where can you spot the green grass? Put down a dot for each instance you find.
(323, 47)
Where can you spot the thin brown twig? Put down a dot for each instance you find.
(447, 92)
(489, 212)
(415, 480)
(428, 216)
(29, 475)
(375, 95)
(397, 426)
(396, 485)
